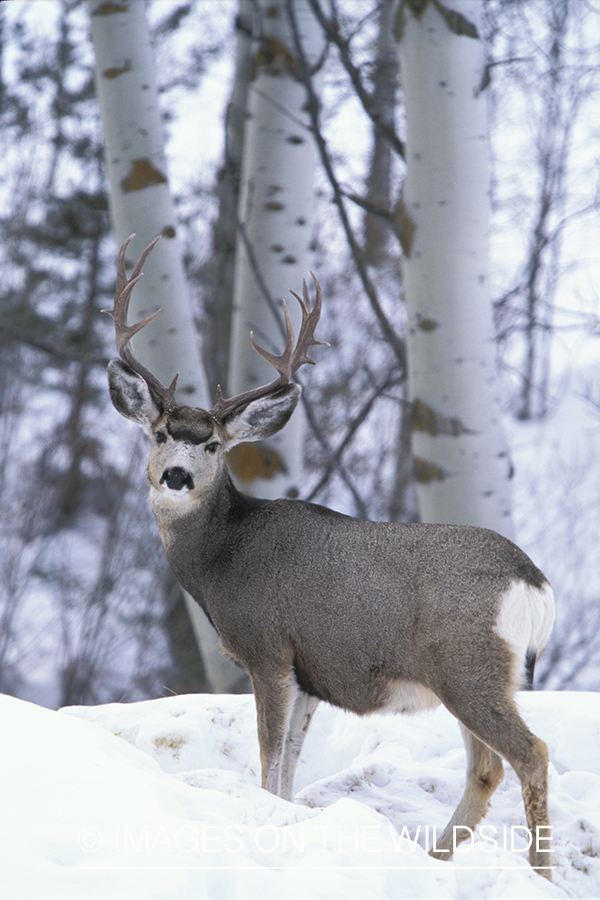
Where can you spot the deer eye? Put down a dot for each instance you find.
(212, 448)
(160, 437)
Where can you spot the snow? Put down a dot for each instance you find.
(161, 799)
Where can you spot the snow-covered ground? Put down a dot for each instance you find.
(161, 799)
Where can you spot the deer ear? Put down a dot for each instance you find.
(130, 395)
(263, 417)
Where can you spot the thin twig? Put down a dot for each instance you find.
(335, 462)
(391, 380)
(331, 29)
(393, 339)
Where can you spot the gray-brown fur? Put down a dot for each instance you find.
(296, 573)
(363, 615)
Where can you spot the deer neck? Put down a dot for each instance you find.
(196, 534)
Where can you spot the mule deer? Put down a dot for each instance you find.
(370, 617)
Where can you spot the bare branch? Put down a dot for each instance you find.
(394, 340)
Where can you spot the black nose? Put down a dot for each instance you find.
(177, 478)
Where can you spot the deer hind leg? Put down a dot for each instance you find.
(499, 725)
(533, 775)
(484, 773)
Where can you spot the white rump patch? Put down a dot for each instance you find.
(409, 697)
(525, 620)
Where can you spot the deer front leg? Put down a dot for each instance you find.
(302, 713)
(275, 699)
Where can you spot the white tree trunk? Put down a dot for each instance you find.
(140, 202)
(461, 458)
(140, 199)
(219, 271)
(273, 248)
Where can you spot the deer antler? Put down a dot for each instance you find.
(124, 332)
(288, 363)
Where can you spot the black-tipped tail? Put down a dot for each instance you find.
(530, 661)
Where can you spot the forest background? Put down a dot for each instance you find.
(89, 612)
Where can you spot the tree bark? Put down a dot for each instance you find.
(217, 273)
(462, 464)
(273, 251)
(377, 231)
(140, 202)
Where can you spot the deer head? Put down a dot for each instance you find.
(189, 444)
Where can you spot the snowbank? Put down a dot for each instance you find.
(161, 799)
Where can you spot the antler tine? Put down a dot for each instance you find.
(124, 332)
(283, 362)
(292, 358)
(310, 320)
